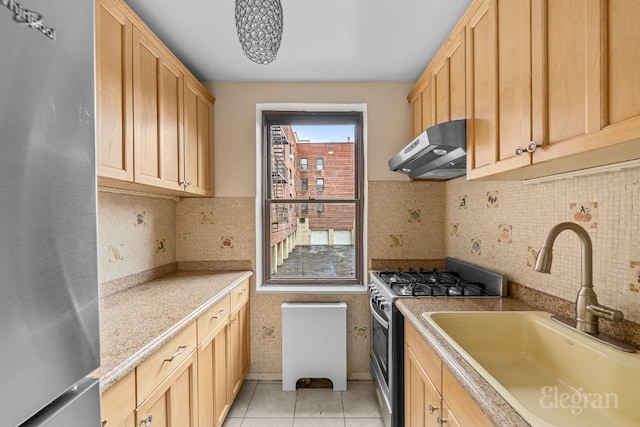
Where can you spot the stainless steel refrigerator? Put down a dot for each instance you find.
(49, 339)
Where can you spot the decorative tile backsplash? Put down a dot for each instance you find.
(607, 205)
(406, 220)
(135, 234)
(584, 214)
(499, 225)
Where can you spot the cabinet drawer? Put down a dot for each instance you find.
(240, 295)
(119, 401)
(213, 318)
(160, 364)
(428, 359)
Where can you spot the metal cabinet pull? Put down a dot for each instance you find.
(147, 421)
(217, 316)
(531, 147)
(442, 421)
(181, 350)
(432, 408)
(244, 291)
(233, 321)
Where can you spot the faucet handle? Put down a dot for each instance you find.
(606, 313)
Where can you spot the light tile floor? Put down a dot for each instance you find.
(264, 404)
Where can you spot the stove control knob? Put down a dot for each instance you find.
(383, 306)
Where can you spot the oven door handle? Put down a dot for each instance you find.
(384, 323)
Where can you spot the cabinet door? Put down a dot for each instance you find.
(568, 80)
(498, 87)
(416, 115)
(239, 348)
(213, 379)
(426, 98)
(114, 112)
(157, 101)
(448, 419)
(174, 402)
(198, 140)
(465, 410)
(119, 402)
(449, 82)
(422, 400)
(623, 36)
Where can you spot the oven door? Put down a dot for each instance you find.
(380, 346)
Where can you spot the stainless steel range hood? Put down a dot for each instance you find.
(439, 152)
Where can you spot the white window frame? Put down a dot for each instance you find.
(309, 289)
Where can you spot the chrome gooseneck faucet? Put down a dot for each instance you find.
(587, 308)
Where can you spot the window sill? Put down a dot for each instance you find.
(311, 289)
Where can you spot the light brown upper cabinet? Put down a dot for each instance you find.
(157, 101)
(448, 82)
(439, 94)
(568, 102)
(155, 120)
(586, 89)
(498, 87)
(198, 113)
(114, 119)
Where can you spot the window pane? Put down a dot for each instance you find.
(332, 149)
(313, 240)
(304, 184)
(320, 184)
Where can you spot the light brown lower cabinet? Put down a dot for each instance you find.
(174, 402)
(433, 397)
(223, 356)
(239, 338)
(119, 403)
(184, 385)
(213, 375)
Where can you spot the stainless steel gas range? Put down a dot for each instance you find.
(459, 279)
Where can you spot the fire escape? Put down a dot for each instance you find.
(279, 176)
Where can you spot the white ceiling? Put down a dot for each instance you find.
(323, 40)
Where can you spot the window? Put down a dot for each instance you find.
(315, 215)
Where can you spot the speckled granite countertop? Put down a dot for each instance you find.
(499, 412)
(136, 322)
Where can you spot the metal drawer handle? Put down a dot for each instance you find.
(233, 321)
(244, 291)
(181, 350)
(217, 316)
(147, 421)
